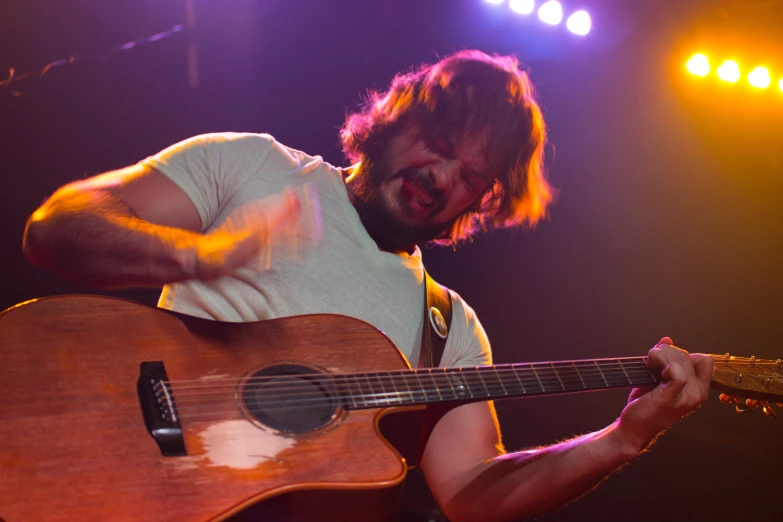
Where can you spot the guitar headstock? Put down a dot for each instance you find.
(749, 383)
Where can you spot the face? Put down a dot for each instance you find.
(417, 189)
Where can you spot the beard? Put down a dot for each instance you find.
(389, 231)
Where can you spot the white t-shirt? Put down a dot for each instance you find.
(333, 266)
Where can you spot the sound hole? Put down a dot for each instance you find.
(290, 398)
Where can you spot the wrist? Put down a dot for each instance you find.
(184, 253)
(624, 440)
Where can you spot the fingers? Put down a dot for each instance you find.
(687, 376)
(703, 365)
(249, 231)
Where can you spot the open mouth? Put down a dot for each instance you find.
(417, 195)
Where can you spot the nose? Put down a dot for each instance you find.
(444, 174)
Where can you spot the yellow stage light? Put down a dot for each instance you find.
(698, 65)
(759, 77)
(729, 71)
(780, 84)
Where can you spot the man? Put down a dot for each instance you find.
(238, 227)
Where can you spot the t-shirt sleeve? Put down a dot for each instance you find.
(208, 169)
(467, 344)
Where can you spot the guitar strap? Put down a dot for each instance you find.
(418, 504)
(437, 321)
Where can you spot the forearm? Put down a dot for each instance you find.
(94, 239)
(526, 483)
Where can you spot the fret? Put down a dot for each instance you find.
(584, 385)
(404, 379)
(465, 382)
(497, 376)
(557, 375)
(482, 381)
(521, 386)
(417, 392)
(593, 380)
(540, 384)
(601, 372)
(615, 378)
(361, 396)
(457, 383)
(492, 377)
(446, 375)
(428, 394)
(437, 388)
(396, 391)
(569, 376)
(626, 373)
(351, 394)
(374, 397)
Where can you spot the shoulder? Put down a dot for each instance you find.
(244, 145)
(468, 344)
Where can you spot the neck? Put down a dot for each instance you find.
(360, 197)
(434, 385)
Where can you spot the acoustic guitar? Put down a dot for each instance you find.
(116, 411)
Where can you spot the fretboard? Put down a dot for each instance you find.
(432, 385)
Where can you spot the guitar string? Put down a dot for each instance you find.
(587, 363)
(320, 402)
(422, 373)
(560, 384)
(490, 370)
(427, 394)
(277, 401)
(288, 383)
(517, 366)
(441, 381)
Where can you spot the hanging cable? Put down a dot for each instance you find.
(14, 77)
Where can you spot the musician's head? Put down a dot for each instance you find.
(450, 149)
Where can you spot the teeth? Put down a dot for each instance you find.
(422, 194)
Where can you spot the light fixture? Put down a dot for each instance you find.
(698, 65)
(729, 71)
(551, 12)
(579, 23)
(759, 77)
(522, 6)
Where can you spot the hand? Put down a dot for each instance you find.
(243, 235)
(686, 386)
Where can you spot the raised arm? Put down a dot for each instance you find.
(132, 228)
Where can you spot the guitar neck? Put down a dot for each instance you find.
(433, 385)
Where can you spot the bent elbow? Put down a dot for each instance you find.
(34, 238)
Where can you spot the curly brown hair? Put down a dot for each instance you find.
(466, 93)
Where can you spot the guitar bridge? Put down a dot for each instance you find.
(159, 409)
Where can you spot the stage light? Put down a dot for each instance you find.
(759, 77)
(579, 23)
(780, 84)
(522, 6)
(551, 12)
(698, 65)
(729, 71)
(494, 1)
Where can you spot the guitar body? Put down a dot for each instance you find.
(74, 444)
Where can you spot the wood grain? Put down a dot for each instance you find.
(74, 445)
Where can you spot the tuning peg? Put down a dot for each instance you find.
(727, 399)
(741, 408)
(767, 409)
(753, 403)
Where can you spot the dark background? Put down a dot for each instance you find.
(668, 220)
